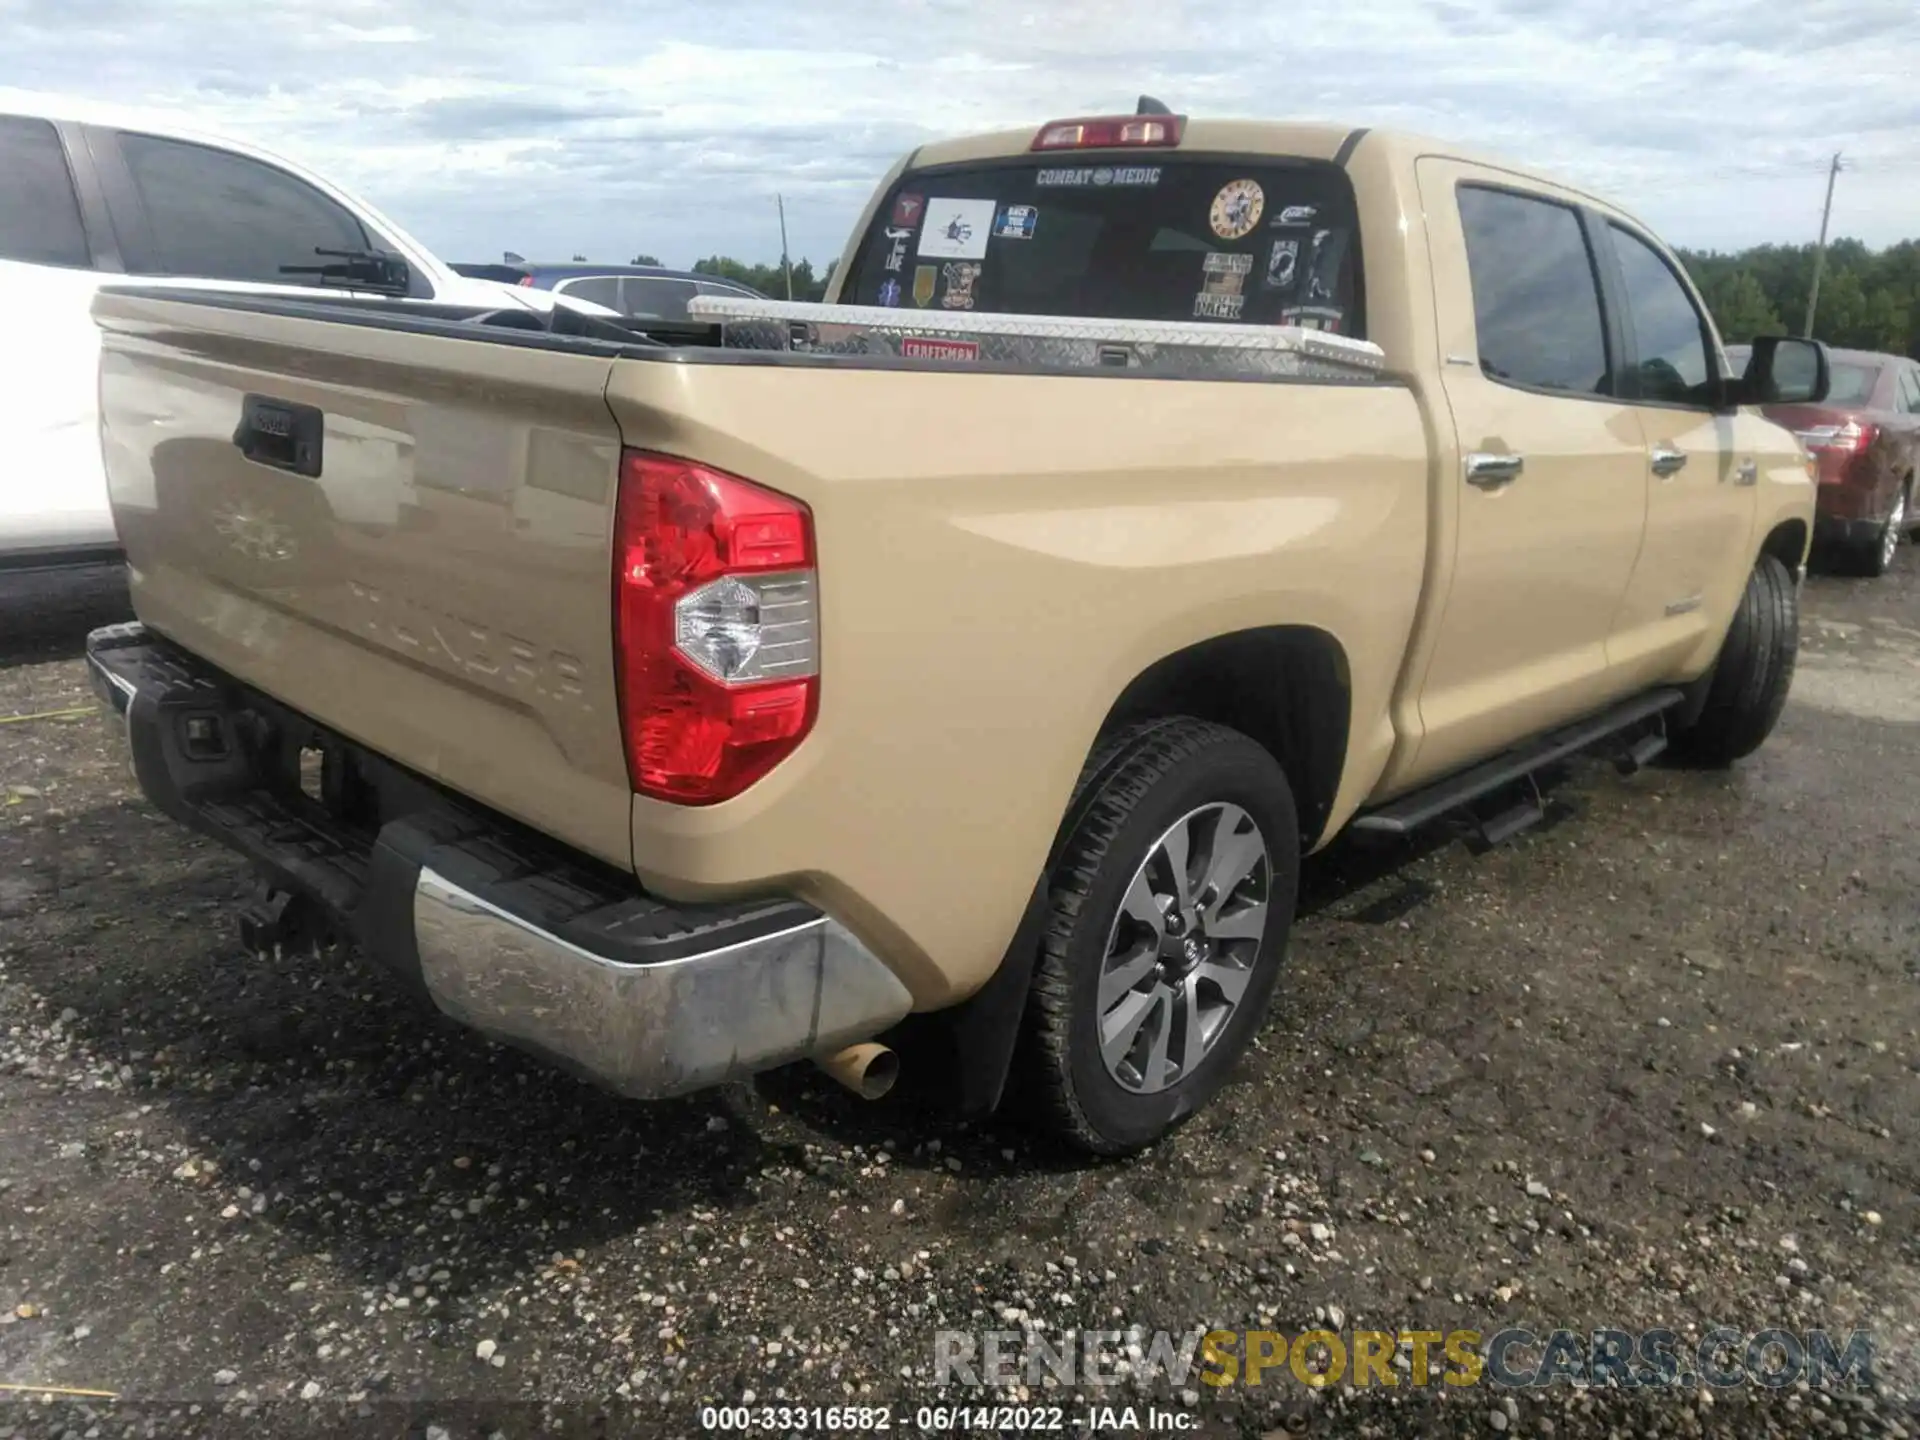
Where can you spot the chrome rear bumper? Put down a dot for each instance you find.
(650, 1030)
(543, 949)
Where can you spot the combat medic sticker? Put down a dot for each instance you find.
(897, 248)
(1236, 209)
(1016, 222)
(960, 277)
(1283, 265)
(956, 229)
(890, 292)
(1220, 296)
(924, 277)
(1074, 176)
(907, 209)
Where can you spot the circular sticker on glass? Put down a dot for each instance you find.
(1236, 209)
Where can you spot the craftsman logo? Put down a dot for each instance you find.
(922, 347)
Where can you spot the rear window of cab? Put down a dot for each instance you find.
(1176, 238)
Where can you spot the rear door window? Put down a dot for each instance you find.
(594, 289)
(1536, 295)
(1910, 391)
(1159, 237)
(655, 299)
(39, 215)
(221, 216)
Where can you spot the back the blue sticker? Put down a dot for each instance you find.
(1016, 222)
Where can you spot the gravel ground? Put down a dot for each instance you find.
(1653, 1064)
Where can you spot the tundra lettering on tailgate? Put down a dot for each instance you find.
(517, 666)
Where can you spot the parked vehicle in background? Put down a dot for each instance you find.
(89, 194)
(1865, 441)
(989, 648)
(649, 292)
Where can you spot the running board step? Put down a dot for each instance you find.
(1501, 828)
(1642, 752)
(1410, 812)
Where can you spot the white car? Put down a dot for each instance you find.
(89, 196)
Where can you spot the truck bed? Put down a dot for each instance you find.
(439, 589)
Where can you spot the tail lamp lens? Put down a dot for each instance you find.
(716, 631)
(1110, 132)
(1850, 436)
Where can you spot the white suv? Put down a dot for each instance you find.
(88, 197)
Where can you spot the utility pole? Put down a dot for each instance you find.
(785, 263)
(1820, 255)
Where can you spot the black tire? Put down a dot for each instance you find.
(1751, 677)
(1874, 557)
(1136, 787)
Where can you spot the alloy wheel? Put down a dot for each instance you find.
(1181, 952)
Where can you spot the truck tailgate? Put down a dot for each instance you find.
(416, 552)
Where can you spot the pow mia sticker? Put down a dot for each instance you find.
(1236, 209)
(960, 276)
(1283, 266)
(1221, 296)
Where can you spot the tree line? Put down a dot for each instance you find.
(769, 280)
(1869, 299)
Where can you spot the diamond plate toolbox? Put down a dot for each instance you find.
(1043, 342)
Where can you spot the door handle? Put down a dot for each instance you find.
(1668, 461)
(1490, 471)
(1747, 473)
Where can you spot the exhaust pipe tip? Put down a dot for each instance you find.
(867, 1069)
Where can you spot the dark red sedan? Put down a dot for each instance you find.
(1865, 439)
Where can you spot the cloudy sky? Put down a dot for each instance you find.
(556, 126)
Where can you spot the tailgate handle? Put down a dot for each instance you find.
(281, 434)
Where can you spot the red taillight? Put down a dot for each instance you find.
(526, 280)
(715, 628)
(1110, 132)
(1834, 448)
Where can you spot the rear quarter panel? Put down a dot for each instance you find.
(999, 556)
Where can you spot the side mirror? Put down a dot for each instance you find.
(1784, 370)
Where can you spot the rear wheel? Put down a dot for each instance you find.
(1875, 557)
(1752, 674)
(1170, 907)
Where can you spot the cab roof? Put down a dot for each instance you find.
(1303, 139)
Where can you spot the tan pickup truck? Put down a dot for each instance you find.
(968, 667)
